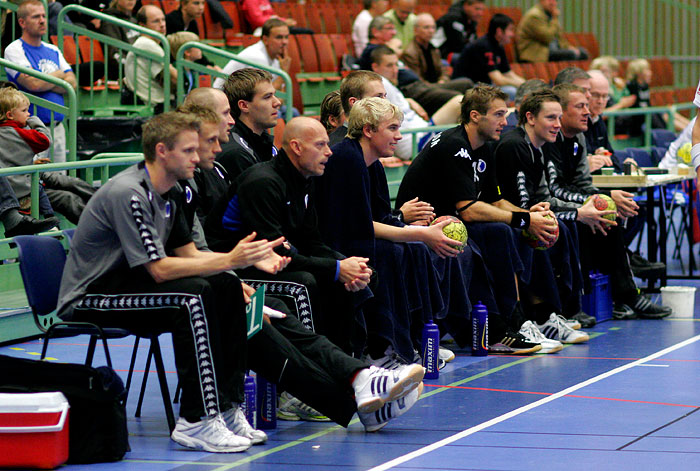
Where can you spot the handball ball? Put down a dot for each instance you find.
(603, 203)
(455, 230)
(536, 243)
(683, 154)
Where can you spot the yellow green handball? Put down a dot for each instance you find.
(603, 203)
(455, 230)
(683, 154)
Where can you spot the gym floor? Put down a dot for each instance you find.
(628, 399)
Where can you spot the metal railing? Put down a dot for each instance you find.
(647, 113)
(36, 170)
(123, 47)
(181, 64)
(69, 110)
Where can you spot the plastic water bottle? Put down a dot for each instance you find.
(430, 350)
(480, 330)
(248, 405)
(266, 417)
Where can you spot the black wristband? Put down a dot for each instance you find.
(520, 220)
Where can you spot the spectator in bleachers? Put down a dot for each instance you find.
(457, 27)
(381, 31)
(185, 18)
(176, 40)
(360, 27)
(332, 115)
(385, 63)
(404, 18)
(610, 67)
(603, 245)
(424, 59)
(29, 51)
(144, 77)
(124, 10)
(272, 51)
(14, 222)
(639, 77)
(258, 12)
(254, 108)
(485, 60)
(539, 37)
(575, 76)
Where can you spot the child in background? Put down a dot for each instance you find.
(22, 137)
(639, 77)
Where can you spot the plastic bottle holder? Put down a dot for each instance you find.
(599, 302)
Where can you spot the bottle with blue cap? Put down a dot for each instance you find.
(480, 330)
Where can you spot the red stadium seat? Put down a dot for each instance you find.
(214, 30)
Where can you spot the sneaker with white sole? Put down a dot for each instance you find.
(556, 329)
(237, 423)
(446, 355)
(390, 361)
(573, 324)
(209, 434)
(514, 343)
(291, 408)
(376, 420)
(533, 334)
(374, 386)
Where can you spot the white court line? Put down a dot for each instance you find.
(513, 413)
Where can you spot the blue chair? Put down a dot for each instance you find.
(641, 156)
(41, 263)
(662, 138)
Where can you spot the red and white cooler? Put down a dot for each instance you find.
(33, 430)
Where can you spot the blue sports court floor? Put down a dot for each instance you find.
(628, 399)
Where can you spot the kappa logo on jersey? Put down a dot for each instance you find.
(463, 153)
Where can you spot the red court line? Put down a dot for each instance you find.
(568, 395)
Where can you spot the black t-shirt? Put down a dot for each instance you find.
(480, 58)
(448, 171)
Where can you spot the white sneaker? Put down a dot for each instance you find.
(237, 423)
(376, 420)
(533, 334)
(209, 434)
(446, 355)
(390, 361)
(556, 329)
(291, 408)
(572, 324)
(374, 386)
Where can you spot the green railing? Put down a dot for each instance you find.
(36, 170)
(647, 113)
(181, 64)
(123, 47)
(10, 18)
(69, 110)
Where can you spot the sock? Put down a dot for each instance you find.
(10, 218)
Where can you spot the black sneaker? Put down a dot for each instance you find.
(584, 319)
(622, 311)
(646, 309)
(29, 226)
(514, 344)
(643, 268)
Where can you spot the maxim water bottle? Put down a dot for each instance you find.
(248, 405)
(430, 350)
(267, 405)
(480, 330)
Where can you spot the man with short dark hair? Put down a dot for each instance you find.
(272, 51)
(119, 267)
(254, 106)
(485, 60)
(455, 173)
(457, 27)
(570, 180)
(185, 17)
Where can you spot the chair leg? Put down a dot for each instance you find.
(144, 381)
(165, 393)
(131, 366)
(45, 347)
(91, 350)
(178, 390)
